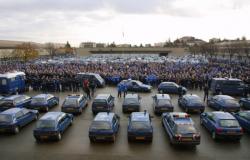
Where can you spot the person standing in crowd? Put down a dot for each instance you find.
(119, 88)
(206, 92)
(92, 86)
(125, 90)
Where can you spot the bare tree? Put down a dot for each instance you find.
(51, 49)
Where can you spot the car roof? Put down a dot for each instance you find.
(11, 111)
(163, 96)
(74, 96)
(191, 96)
(139, 116)
(168, 83)
(11, 75)
(45, 96)
(222, 115)
(224, 97)
(131, 96)
(104, 116)
(102, 96)
(230, 79)
(52, 116)
(13, 97)
(181, 118)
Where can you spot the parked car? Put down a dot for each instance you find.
(171, 88)
(140, 127)
(11, 83)
(227, 86)
(221, 125)
(131, 103)
(74, 104)
(224, 103)
(243, 118)
(104, 127)
(52, 125)
(191, 102)
(180, 128)
(1, 97)
(162, 103)
(103, 103)
(12, 120)
(245, 103)
(43, 102)
(99, 81)
(14, 101)
(136, 86)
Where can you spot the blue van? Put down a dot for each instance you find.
(227, 86)
(11, 83)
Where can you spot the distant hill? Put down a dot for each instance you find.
(13, 44)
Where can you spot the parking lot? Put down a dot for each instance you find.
(75, 143)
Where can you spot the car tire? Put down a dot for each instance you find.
(71, 122)
(46, 109)
(214, 136)
(59, 136)
(16, 130)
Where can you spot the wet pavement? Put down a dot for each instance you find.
(75, 143)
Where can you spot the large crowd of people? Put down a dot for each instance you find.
(62, 76)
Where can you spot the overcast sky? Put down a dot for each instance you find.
(141, 21)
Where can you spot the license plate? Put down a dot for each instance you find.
(130, 109)
(187, 139)
(164, 109)
(99, 107)
(44, 137)
(70, 109)
(139, 138)
(100, 137)
(231, 132)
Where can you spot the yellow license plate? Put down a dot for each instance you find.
(139, 138)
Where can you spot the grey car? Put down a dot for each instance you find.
(103, 103)
(131, 103)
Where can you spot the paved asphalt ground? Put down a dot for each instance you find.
(75, 143)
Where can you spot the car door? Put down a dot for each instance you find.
(63, 123)
(27, 116)
(136, 86)
(211, 123)
(115, 124)
(212, 102)
(20, 119)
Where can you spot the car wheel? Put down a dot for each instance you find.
(71, 122)
(16, 130)
(214, 135)
(46, 109)
(59, 136)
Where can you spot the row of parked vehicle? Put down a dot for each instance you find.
(179, 126)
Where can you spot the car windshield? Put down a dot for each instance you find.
(5, 118)
(46, 124)
(6, 102)
(38, 100)
(70, 102)
(99, 101)
(140, 125)
(229, 123)
(162, 102)
(101, 125)
(245, 115)
(131, 101)
(185, 129)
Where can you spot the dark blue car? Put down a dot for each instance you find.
(180, 128)
(15, 101)
(43, 102)
(245, 103)
(162, 103)
(224, 103)
(140, 127)
(191, 102)
(171, 88)
(12, 120)
(74, 104)
(52, 125)
(221, 125)
(104, 127)
(243, 118)
(136, 86)
(103, 103)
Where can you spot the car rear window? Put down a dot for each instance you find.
(5, 118)
(46, 124)
(185, 129)
(99, 101)
(70, 102)
(38, 100)
(100, 125)
(163, 102)
(230, 102)
(131, 100)
(229, 123)
(140, 125)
